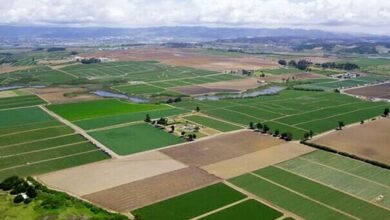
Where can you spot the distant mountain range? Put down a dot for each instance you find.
(164, 34)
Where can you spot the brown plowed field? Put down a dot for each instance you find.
(249, 162)
(221, 147)
(189, 57)
(377, 91)
(370, 140)
(144, 192)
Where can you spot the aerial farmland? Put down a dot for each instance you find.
(186, 123)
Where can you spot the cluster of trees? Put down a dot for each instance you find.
(160, 121)
(170, 100)
(301, 64)
(266, 129)
(17, 186)
(342, 66)
(54, 49)
(90, 61)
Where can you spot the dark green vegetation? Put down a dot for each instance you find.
(31, 142)
(291, 111)
(135, 138)
(213, 123)
(101, 108)
(191, 204)
(249, 209)
(47, 204)
(20, 101)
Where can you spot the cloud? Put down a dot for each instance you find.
(347, 15)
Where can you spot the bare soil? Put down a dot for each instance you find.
(137, 194)
(7, 69)
(57, 94)
(249, 162)
(190, 58)
(370, 140)
(377, 91)
(221, 147)
(95, 177)
(6, 94)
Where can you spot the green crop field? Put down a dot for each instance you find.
(355, 177)
(286, 199)
(135, 138)
(347, 83)
(106, 121)
(213, 123)
(191, 204)
(20, 101)
(249, 209)
(101, 108)
(324, 194)
(31, 142)
(291, 110)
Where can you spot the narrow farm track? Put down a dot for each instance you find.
(81, 132)
(219, 209)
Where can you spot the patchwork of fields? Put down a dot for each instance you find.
(119, 124)
(291, 111)
(342, 84)
(321, 185)
(32, 142)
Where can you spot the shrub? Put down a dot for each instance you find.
(31, 192)
(27, 201)
(18, 199)
(10, 183)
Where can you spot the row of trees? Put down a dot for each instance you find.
(90, 61)
(264, 128)
(301, 64)
(333, 65)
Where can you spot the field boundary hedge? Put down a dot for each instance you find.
(352, 156)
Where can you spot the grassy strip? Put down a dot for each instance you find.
(191, 204)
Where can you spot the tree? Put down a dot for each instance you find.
(282, 62)
(302, 64)
(10, 183)
(265, 128)
(147, 118)
(172, 128)
(276, 132)
(386, 112)
(311, 133)
(306, 136)
(162, 121)
(341, 125)
(289, 136)
(18, 199)
(183, 133)
(197, 109)
(292, 63)
(259, 126)
(31, 192)
(362, 122)
(251, 125)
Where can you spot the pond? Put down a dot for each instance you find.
(252, 94)
(108, 94)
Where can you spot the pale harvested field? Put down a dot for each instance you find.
(200, 89)
(137, 194)
(190, 58)
(6, 94)
(56, 94)
(253, 161)
(238, 85)
(370, 140)
(377, 91)
(7, 69)
(95, 177)
(221, 147)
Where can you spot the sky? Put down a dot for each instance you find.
(362, 16)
